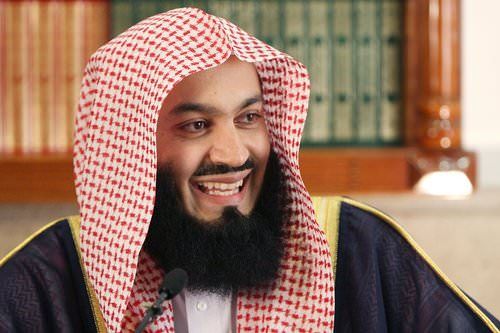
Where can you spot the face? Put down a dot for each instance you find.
(210, 130)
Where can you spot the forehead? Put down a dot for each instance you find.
(228, 83)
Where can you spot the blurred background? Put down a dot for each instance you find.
(403, 111)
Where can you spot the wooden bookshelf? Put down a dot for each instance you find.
(50, 178)
(36, 178)
(325, 171)
(355, 170)
(432, 126)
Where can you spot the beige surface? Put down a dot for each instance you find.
(460, 235)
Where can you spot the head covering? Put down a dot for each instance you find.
(124, 86)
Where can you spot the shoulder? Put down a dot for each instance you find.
(335, 213)
(42, 281)
(39, 245)
(381, 270)
(46, 250)
(369, 222)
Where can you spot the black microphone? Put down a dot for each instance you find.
(172, 284)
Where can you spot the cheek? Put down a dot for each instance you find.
(260, 146)
(183, 159)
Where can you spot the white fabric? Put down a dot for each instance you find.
(202, 312)
(124, 85)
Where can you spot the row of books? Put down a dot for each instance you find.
(44, 48)
(351, 47)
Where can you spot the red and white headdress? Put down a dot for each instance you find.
(124, 86)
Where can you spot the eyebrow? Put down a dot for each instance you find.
(205, 108)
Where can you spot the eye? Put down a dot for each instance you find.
(195, 126)
(248, 118)
(251, 116)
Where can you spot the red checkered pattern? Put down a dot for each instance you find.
(124, 85)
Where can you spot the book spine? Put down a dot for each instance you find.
(62, 71)
(35, 49)
(244, 15)
(96, 27)
(24, 88)
(221, 8)
(18, 75)
(368, 64)
(103, 15)
(202, 4)
(3, 76)
(343, 80)
(50, 83)
(147, 8)
(319, 62)
(168, 5)
(72, 69)
(121, 16)
(56, 83)
(7, 55)
(391, 68)
(79, 56)
(44, 72)
(271, 25)
(296, 29)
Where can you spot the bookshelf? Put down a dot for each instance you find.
(37, 178)
(430, 125)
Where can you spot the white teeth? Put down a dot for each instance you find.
(222, 193)
(226, 187)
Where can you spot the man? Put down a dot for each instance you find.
(186, 156)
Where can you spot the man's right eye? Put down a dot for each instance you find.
(194, 126)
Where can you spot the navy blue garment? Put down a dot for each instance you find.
(384, 285)
(42, 288)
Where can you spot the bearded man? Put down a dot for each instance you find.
(186, 156)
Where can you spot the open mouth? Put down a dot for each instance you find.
(221, 189)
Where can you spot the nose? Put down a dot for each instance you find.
(228, 148)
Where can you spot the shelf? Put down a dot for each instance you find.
(37, 179)
(340, 171)
(324, 171)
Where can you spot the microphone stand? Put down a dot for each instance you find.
(153, 311)
(173, 283)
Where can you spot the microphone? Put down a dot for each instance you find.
(172, 284)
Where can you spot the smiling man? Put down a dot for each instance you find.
(186, 156)
(220, 202)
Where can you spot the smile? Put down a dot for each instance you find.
(222, 189)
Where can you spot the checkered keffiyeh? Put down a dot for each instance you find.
(124, 85)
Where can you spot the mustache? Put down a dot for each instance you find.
(217, 169)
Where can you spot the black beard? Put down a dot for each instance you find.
(234, 252)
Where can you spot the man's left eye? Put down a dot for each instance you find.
(249, 118)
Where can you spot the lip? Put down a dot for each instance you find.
(232, 177)
(219, 200)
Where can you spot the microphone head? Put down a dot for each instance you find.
(174, 282)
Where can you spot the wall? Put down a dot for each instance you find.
(481, 86)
